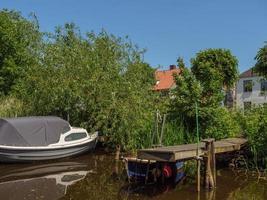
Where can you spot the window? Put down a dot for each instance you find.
(75, 136)
(247, 85)
(66, 129)
(263, 86)
(247, 105)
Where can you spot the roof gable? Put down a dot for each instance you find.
(165, 79)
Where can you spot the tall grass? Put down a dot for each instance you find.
(175, 133)
(253, 123)
(11, 107)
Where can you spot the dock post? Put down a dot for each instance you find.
(213, 163)
(118, 151)
(147, 171)
(117, 158)
(198, 174)
(209, 181)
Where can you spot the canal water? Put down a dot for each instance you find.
(97, 176)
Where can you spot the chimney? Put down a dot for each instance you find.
(172, 67)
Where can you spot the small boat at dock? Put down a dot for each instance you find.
(25, 139)
(140, 170)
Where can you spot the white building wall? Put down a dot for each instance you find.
(255, 97)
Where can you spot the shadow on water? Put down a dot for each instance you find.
(98, 176)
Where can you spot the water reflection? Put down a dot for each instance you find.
(98, 176)
(132, 190)
(42, 180)
(231, 186)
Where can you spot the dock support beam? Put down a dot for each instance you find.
(210, 164)
(198, 173)
(214, 163)
(117, 159)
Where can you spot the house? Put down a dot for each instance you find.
(165, 79)
(251, 89)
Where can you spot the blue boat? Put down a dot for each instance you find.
(139, 170)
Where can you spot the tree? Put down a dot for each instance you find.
(215, 120)
(97, 81)
(20, 41)
(180, 62)
(261, 58)
(187, 92)
(217, 70)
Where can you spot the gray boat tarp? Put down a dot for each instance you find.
(31, 131)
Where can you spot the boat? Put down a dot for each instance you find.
(152, 171)
(25, 139)
(141, 170)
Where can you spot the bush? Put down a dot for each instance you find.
(218, 123)
(254, 127)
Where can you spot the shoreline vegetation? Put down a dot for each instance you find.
(101, 82)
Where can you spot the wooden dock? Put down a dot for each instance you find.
(189, 151)
(204, 152)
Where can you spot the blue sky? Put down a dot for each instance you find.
(166, 28)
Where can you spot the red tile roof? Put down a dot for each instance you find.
(247, 74)
(165, 79)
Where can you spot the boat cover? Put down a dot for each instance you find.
(31, 131)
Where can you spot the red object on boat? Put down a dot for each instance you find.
(167, 171)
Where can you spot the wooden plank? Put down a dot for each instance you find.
(134, 159)
(170, 153)
(183, 147)
(188, 151)
(235, 140)
(228, 145)
(157, 156)
(190, 154)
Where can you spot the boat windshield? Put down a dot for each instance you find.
(75, 136)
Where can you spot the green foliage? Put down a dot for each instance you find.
(180, 62)
(188, 91)
(216, 69)
(218, 123)
(11, 107)
(98, 82)
(254, 127)
(176, 133)
(19, 47)
(261, 58)
(215, 120)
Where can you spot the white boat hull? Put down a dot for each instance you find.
(48, 153)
